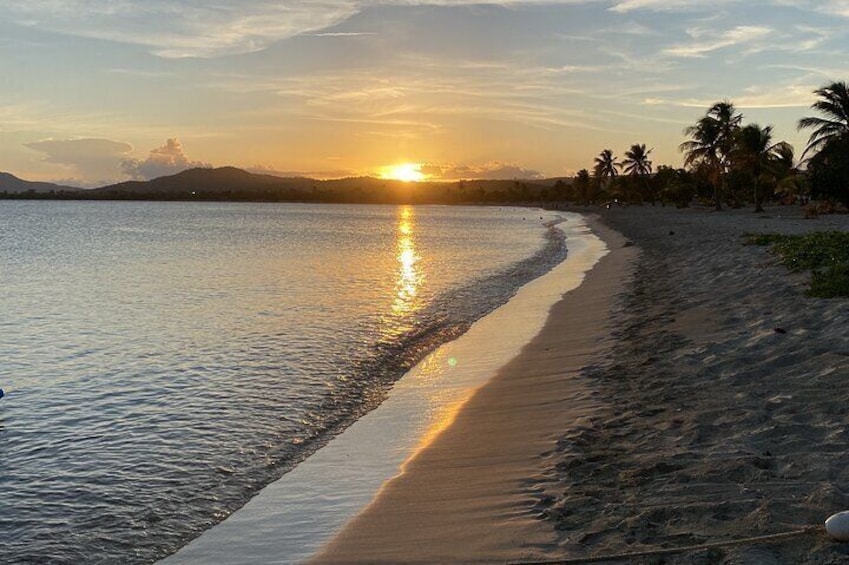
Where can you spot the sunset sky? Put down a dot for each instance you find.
(100, 91)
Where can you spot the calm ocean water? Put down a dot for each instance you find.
(165, 361)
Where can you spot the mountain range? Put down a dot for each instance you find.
(230, 183)
(10, 184)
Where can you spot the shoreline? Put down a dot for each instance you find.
(292, 518)
(472, 495)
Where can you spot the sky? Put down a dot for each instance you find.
(99, 91)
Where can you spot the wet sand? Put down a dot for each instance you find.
(704, 400)
(473, 494)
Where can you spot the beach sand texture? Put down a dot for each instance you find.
(471, 495)
(726, 401)
(680, 416)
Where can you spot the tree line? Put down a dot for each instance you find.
(727, 162)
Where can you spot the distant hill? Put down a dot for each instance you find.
(219, 181)
(11, 184)
(232, 184)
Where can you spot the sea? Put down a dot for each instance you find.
(165, 362)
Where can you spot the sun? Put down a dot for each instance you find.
(407, 172)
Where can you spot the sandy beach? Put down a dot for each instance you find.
(472, 494)
(726, 400)
(702, 402)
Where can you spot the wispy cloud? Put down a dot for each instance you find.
(625, 6)
(706, 40)
(189, 28)
(494, 170)
(313, 174)
(831, 7)
(783, 96)
(341, 34)
(182, 28)
(86, 160)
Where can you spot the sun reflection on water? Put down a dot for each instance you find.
(410, 276)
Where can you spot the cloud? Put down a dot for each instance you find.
(89, 161)
(625, 6)
(494, 170)
(82, 151)
(781, 95)
(317, 174)
(162, 161)
(707, 41)
(192, 28)
(182, 28)
(829, 7)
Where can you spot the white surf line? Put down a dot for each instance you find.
(292, 518)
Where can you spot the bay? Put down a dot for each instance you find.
(165, 361)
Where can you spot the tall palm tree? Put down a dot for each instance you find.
(703, 150)
(711, 143)
(728, 119)
(636, 164)
(834, 105)
(606, 167)
(789, 182)
(636, 161)
(755, 151)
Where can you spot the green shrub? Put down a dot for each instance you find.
(825, 253)
(831, 282)
(764, 238)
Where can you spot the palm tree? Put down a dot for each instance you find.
(636, 162)
(711, 143)
(582, 186)
(637, 165)
(728, 119)
(606, 167)
(788, 180)
(755, 151)
(703, 150)
(834, 104)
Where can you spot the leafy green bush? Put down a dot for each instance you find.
(831, 282)
(764, 238)
(825, 253)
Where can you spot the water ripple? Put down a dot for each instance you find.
(163, 362)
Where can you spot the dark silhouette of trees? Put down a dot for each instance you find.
(676, 186)
(583, 187)
(828, 172)
(834, 125)
(636, 161)
(756, 155)
(637, 165)
(606, 169)
(828, 167)
(711, 143)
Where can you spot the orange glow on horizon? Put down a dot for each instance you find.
(406, 172)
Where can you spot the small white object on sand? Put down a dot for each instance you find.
(837, 526)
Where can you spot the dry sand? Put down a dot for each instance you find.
(679, 415)
(470, 495)
(727, 396)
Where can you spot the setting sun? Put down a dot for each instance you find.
(407, 172)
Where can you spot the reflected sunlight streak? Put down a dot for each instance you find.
(409, 272)
(444, 402)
